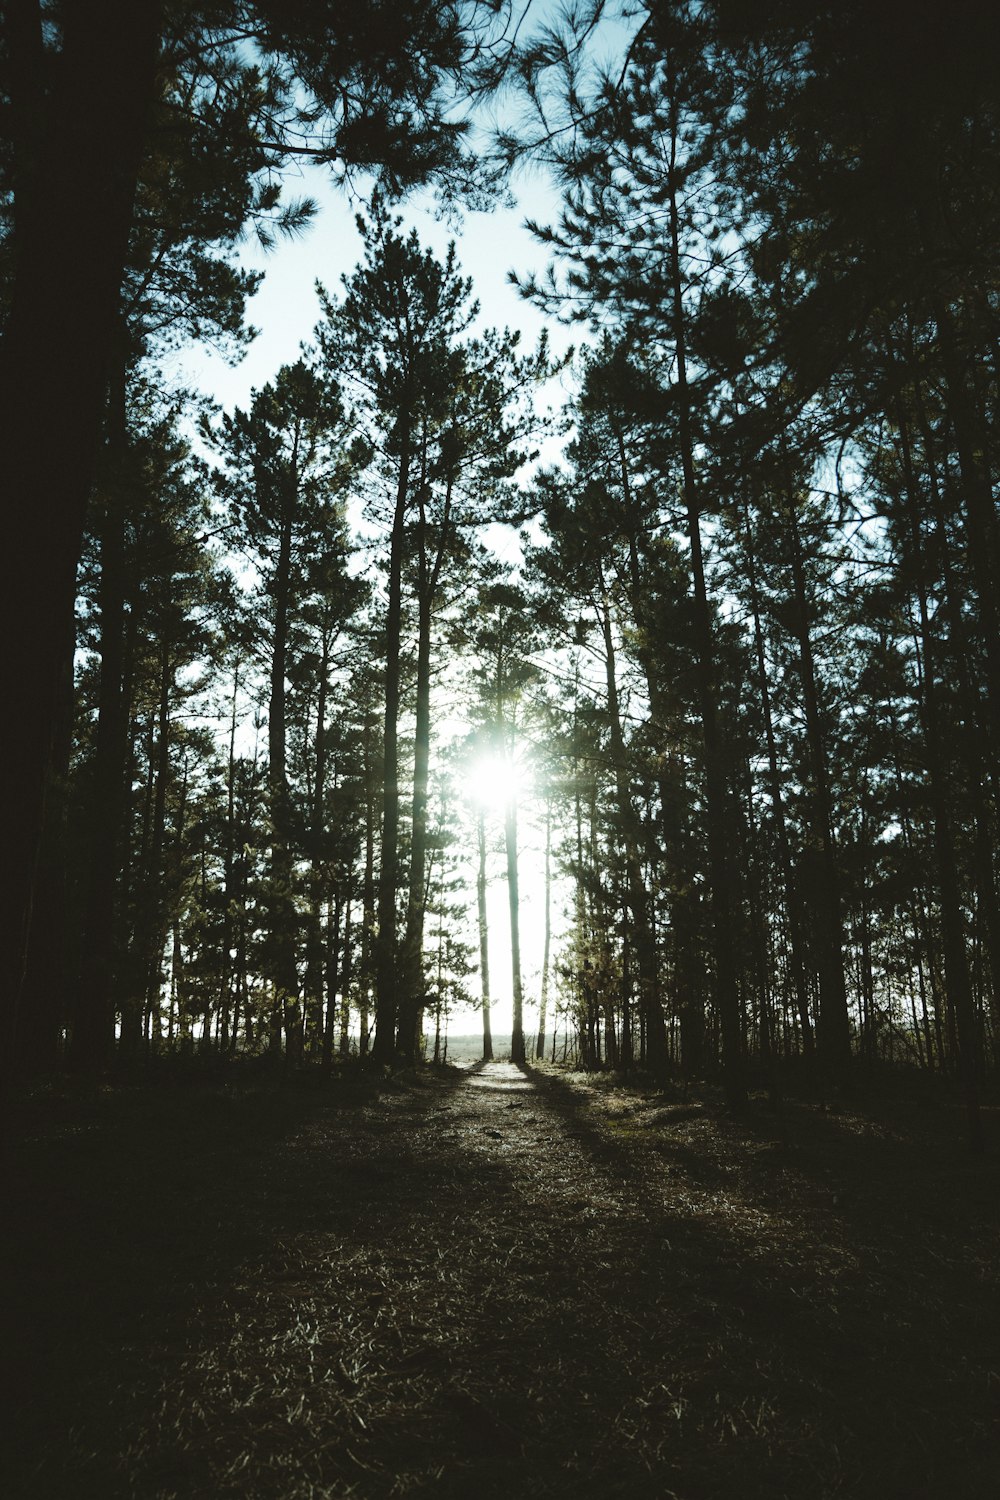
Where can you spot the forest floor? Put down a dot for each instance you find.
(496, 1283)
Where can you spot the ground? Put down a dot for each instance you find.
(496, 1282)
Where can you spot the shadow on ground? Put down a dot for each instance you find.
(495, 1284)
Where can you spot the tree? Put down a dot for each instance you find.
(148, 595)
(502, 639)
(289, 462)
(574, 571)
(94, 79)
(637, 174)
(394, 339)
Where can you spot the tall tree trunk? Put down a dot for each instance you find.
(834, 1021)
(547, 941)
(388, 876)
(626, 1050)
(282, 914)
(228, 861)
(178, 991)
(416, 905)
(344, 1040)
(412, 967)
(793, 906)
(332, 978)
(517, 1051)
(54, 359)
(638, 896)
(313, 986)
(759, 945)
(170, 905)
(484, 936)
(958, 986)
(155, 888)
(580, 893)
(93, 1026)
(49, 991)
(982, 738)
(983, 543)
(720, 874)
(367, 891)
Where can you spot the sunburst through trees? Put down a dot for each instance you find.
(719, 732)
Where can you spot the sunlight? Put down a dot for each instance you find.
(494, 781)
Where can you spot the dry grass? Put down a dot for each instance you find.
(498, 1285)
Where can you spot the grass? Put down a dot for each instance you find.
(542, 1285)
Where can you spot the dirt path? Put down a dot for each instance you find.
(506, 1285)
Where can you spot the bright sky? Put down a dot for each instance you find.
(286, 308)
(531, 880)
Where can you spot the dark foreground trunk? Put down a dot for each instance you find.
(53, 370)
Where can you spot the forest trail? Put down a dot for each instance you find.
(506, 1283)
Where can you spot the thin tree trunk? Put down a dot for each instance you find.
(313, 986)
(93, 1027)
(228, 862)
(332, 975)
(959, 990)
(517, 1051)
(793, 906)
(49, 993)
(834, 1021)
(282, 914)
(720, 874)
(547, 942)
(143, 992)
(638, 897)
(484, 937)
(170, 919)
(411, 967)
(344, 1042)
(982, 732)
(386, 999)
(416, 906)
(982, 543)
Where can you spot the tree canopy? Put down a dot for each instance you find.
(741, 676)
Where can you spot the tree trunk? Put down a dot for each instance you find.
(332, 976)
(547, 942)
(344, 1040)
(834, 1021)
(983, 545)
(793, 906)
(484, 937)
(367, 893)
(517, 1052)
(53, 370)
(720, 874)
(385, 941)
(155, 892)
(412, 973)
(313, 986)
(282, 914)
(228, 865)
(638, 897)
(958, 986)
(93, 1027)
(981, 736)
(48, 995)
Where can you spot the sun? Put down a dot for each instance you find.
(493, 782)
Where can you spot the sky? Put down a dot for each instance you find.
(285, 310)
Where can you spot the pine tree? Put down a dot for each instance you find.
(288, 463)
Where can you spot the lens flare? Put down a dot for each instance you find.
(494, 782)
